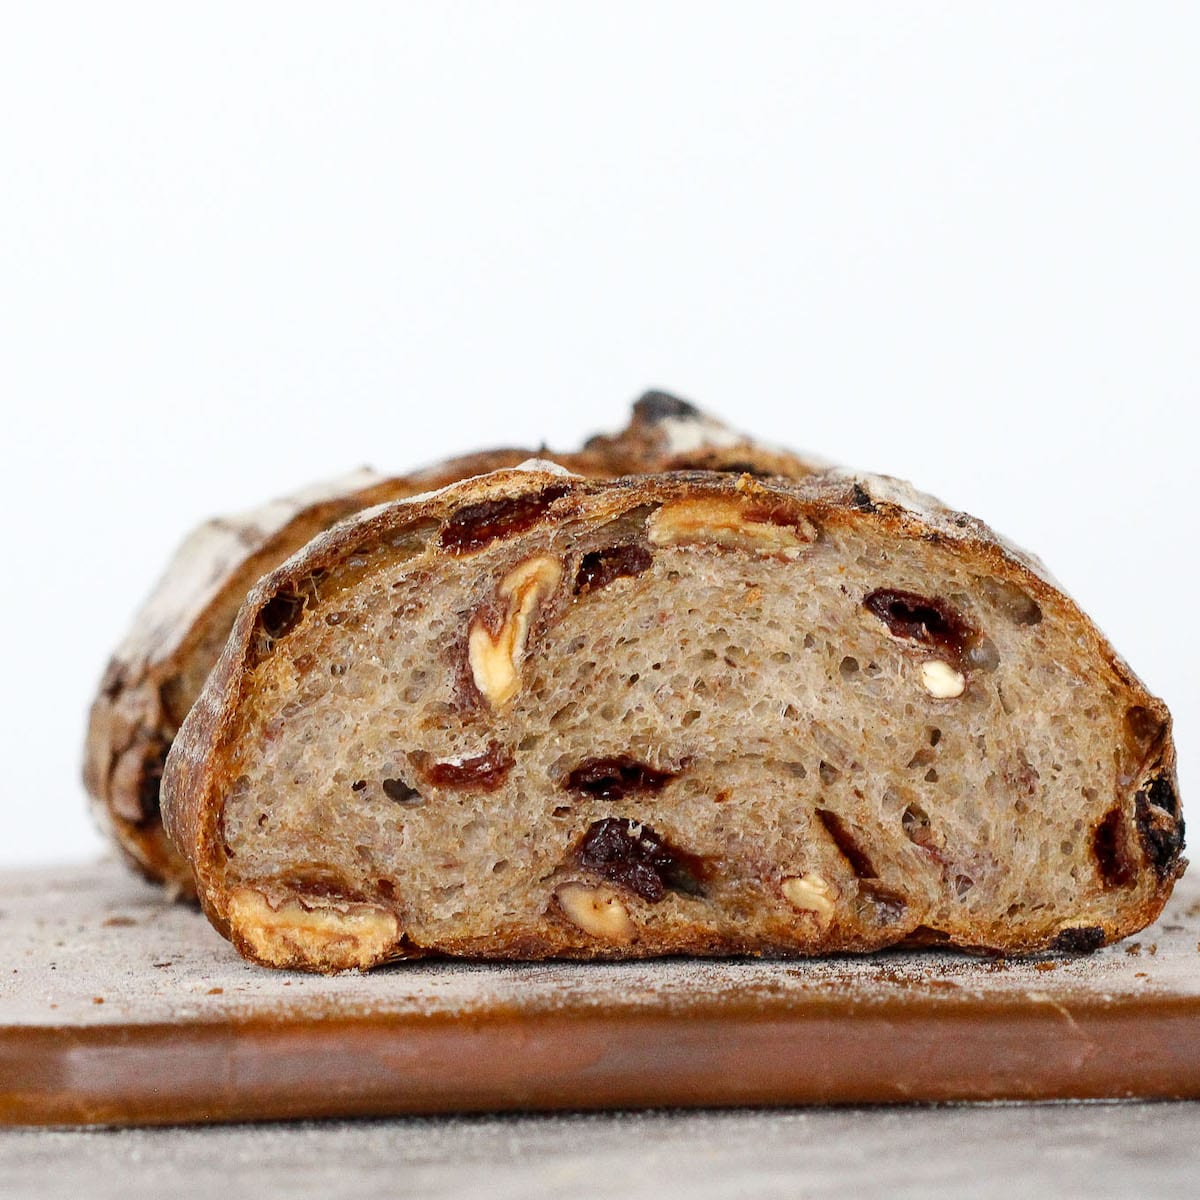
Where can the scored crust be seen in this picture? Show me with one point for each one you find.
(159, 668)
(533, 715)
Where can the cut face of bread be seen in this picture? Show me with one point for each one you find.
(158, 670)
(535, 715)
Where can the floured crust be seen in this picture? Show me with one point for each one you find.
(685, 509)
(159, 667)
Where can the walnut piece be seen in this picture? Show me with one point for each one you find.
(595, 910)
(348, 933)
(941, 680)
(811, 893)
(495, 657)
(728, 521)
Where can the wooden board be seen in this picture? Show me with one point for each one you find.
(117, 1007)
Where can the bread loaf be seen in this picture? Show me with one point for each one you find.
(158, 670)
(534, 714)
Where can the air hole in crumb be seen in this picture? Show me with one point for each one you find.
(281, 614)
(828, 773)
(914, 821)
(844, 840)
(358, 785)
(848, 667)
(963, 884)
(1143, 725)
(931, 776)
(935, 735)
(888, 905)
(401, 793)
(1110, 846)
(337, 669)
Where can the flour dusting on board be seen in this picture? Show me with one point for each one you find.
(92, 945)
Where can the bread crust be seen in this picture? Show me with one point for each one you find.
(198, 775)
(154, 674)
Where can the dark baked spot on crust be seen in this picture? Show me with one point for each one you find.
(1160, 825)
(1082, 940)
(861, 499)
(928, 620)
(850, 850)
(1110, 846)
(634, 856)
(281, 614)
(616, 777)
(660, 406)
(484, 772)
(475, 525)
(401, 793)
(600, 567)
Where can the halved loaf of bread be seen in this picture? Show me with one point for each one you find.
(538, 715)
(157, 671)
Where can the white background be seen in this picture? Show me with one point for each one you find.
(246, 247)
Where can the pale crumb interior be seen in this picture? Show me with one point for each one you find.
(764, 684)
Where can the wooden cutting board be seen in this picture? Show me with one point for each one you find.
(117, 1007)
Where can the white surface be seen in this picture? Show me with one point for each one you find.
(244, 247)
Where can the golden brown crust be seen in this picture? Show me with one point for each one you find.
(150, 684)
(198, 772)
